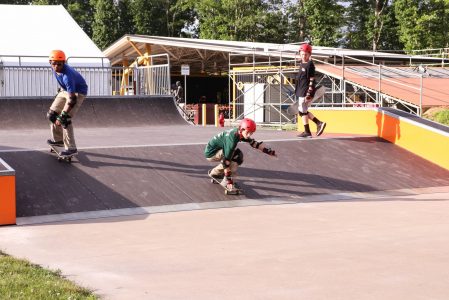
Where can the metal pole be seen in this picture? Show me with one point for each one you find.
(185, 91)
(379, 100)
(420, 96)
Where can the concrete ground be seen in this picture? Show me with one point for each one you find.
(379, 245)
(135, 216)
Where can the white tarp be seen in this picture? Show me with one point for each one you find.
(253, 101)
(28, 34)
(32, 31)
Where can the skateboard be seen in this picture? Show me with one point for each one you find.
(57, 150)
(293, 108)
(228, 191)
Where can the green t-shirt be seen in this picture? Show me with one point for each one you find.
(226, 140)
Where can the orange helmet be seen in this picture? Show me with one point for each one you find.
(305, 48)
(57, 55)
(248, 124)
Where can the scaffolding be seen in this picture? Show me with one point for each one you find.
(261, 84)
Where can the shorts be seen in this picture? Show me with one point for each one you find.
(303, 105)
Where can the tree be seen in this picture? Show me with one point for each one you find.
(377, 20)
(125, 23)
(357, 16)
(323, 22)
(149, 17)
(423, 23)
(104, 27)
(297, 20)
(389, 37)
(83, 13)
(275, 26)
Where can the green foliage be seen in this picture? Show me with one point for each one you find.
(358, 16)
(423, 23)
(125, 23)
(149, 17)
(442, 117)
(356, 24)
(104, 27)
(83, 13)
(324, 21)
(20, 279)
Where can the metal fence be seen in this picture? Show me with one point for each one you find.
(29, 81)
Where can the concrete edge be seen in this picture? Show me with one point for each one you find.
(382, 195)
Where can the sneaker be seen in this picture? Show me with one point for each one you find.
(305, 135)
(224, 182)
(55, 143)
(69, 152)
(320, 128)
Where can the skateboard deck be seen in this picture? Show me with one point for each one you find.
(57, 150)
(293, 108)
(228, 191)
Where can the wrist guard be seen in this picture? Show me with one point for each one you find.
(269, 151)
(255, 144)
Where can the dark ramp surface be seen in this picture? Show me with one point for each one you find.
(118, 111)
(112, 178)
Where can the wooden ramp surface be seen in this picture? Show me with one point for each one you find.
(116, 178)
(161, 162)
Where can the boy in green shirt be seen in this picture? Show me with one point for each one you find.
(223, 147)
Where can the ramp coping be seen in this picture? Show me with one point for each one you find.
(8, 170)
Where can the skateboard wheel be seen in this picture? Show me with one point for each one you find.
(226, 192)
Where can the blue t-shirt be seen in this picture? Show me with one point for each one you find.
(71, 81)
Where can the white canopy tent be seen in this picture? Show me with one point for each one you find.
(32, 31)
(29, 33)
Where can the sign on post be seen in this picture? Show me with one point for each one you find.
(185, 70)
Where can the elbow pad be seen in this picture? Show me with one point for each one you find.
(255, 144)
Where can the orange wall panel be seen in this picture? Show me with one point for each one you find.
(7, 200)
(422, 140)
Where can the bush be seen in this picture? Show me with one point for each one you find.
(442, 117)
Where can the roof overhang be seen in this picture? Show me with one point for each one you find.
(213, 56)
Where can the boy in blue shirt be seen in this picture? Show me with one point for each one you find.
(71, 95)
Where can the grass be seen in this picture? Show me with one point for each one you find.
(442, 117)
(438, 114)
(19, 279)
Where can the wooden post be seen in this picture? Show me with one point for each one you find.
(203, 115)
(216, 115)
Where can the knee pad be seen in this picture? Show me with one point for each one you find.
(303, 113)
(225, 163)
(237, 156)
(52, 116)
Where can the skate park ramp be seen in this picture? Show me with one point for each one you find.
(138, 157)
(117, 111)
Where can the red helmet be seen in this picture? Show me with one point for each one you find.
(57, 55)
(248, 124)
(305, 48)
